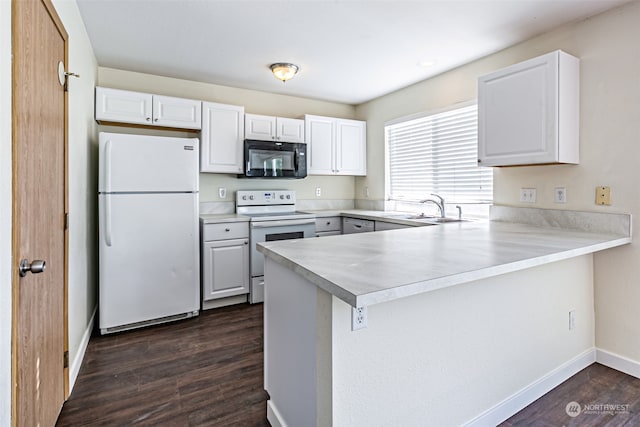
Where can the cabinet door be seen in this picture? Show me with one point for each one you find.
(289, 130)
(262, 128)
(123, 106)
(351, 147)
(177, 112)
(319, 135)
(221, 149)
(225, 268)
(518, 113)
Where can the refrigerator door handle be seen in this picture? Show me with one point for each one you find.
(107, 166)
(107, 219)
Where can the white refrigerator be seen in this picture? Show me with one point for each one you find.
(148, 230)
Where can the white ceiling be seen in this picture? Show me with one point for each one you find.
(348, 51)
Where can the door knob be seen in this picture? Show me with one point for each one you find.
(37, 266)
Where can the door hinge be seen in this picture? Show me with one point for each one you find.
(66, 220)
(65, 359)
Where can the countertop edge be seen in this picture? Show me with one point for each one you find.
(430, 285)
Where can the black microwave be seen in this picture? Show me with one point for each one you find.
(270, 159)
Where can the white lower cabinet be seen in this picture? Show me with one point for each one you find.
(225, 260)
(357, 225)
(384, 225)
(328, 226)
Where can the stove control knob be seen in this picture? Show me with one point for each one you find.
(244, 197)
(250, 197)
(282, 196)
(288, 196)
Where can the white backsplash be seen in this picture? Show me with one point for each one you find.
(592, 222)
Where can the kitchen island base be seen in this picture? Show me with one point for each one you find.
(470, 354)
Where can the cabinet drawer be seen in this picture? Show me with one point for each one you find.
(333, 223)
(224, 231)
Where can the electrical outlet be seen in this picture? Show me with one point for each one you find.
(366, 192)
(222, 192)
(318, 191)
(572, 320)
(560, 195)
(528, 195)
(358, 318)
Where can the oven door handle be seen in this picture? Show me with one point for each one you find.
(282, 223)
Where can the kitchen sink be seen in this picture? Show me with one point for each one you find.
(441, 220)
(425, 218)
(408, 216)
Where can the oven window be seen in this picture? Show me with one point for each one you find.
(284, 236)
(272, 163)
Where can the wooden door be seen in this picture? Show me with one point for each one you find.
(39, 199)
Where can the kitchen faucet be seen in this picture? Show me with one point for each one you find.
(439, 204)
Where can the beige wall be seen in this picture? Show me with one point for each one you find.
(254, 102)
(83, 171)
(609, 148)
(5, 213)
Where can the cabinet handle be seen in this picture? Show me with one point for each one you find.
(148, 119)
(155, 120)
(328, 222)
(227, 229)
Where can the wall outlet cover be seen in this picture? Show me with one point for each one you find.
(603, 196)
(528, 195)
(560, 195)
(358, 318)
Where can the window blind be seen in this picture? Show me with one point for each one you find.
(437, 153)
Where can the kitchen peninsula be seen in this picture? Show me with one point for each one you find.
(466, 322)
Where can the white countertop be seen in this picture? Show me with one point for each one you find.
(370, 268)
(221, 218)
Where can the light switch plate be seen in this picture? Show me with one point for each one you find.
(603, 196)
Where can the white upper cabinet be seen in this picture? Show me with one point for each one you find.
(124, 106)
(177, 112)
(351, 146)
(528, 113)
(335, 146)
(222, 145)
(289, 130)
(269, 128)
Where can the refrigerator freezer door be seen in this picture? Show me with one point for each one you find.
(149, 262)
(141, 163)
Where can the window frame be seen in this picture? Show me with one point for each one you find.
(391, 203)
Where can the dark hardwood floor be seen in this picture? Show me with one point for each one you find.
(208, 371)
(202, 371)
(592, 388)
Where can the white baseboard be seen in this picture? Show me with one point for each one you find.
(74, 368)
(619, 363)
(511, 405)
(273, 416)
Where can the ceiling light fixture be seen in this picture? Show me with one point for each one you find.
(284, 70)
